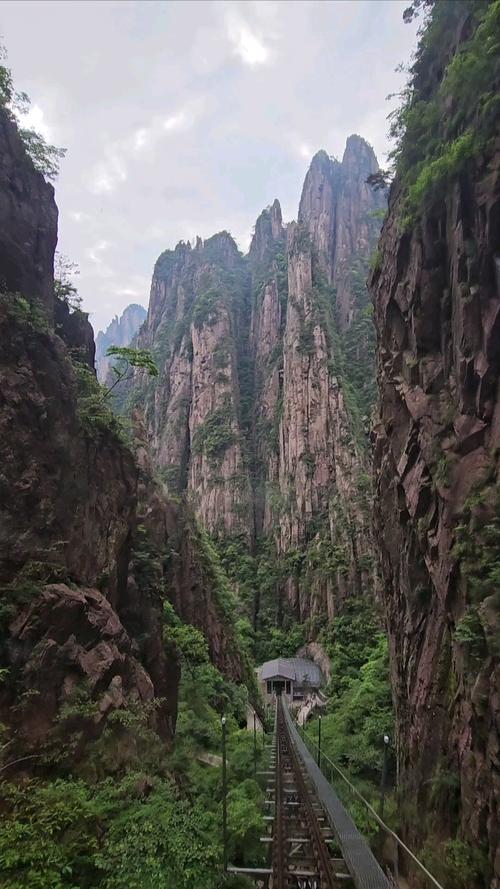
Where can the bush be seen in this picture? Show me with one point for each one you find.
(215, 434)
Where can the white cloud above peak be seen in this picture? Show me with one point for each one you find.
(247, 45)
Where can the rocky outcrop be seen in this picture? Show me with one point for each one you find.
(73, 326)
(28, 221)
(255, 414)
(437, 301)
(85, 530)
(267, 258)
(194, 321)
(342, 214)
(120, 332)
(319, 459)
(65, 639)
(185, 569)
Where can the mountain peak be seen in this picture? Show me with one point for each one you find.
(268, 230)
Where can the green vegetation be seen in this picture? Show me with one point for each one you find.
(215, 434)
(359, 710)
(129, 358)
(96, 417)
(139, 828)
(457, 864)
(109, 805)
(469, 633)
(45, 157)
(26, 312)
(477, 544)
(205, 310)
(438, 131)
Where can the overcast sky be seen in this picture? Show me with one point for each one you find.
(183, 118)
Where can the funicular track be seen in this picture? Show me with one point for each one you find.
(315, 844)
(300, 852)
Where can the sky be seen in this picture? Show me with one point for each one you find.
(182, 118)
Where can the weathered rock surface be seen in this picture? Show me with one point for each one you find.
(74, 328)
(194, 412)
(249, 413)
(341, 212)
(67, 637)
(437, 301)
(28, 221)
(77, 614)
(120, 332)
(65, 499)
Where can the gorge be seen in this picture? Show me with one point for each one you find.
(313, 462)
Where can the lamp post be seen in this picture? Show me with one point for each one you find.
(384, 775)
(224, 794)
(254, 745)
(319, 740)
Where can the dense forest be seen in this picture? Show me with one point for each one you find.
(294, 453)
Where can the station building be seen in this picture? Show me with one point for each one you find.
(294, 677)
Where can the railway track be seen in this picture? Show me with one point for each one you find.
(313, 840)
(305, 854)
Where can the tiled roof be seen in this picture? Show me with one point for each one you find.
(298, 669)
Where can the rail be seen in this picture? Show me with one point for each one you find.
(306, 739)
(360, 861)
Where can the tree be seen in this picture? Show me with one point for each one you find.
(128, 359)
(64, 289)
(414, 9)
(45, 157)
(380, 180)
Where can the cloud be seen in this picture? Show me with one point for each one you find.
(108, 174)
(34, 119)
(93, 253)
(175, 121)
(186, 118)
(247, 45)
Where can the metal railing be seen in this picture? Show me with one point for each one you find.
(319, 753)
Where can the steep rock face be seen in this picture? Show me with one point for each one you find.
(319, 460)
(66, 637)
(253, 414)
(188, 574)
(267, 258)
(78, 519)
(339, 209)
(68, 509)
(193, 327)
(73, 497)
(28, 221)
(317, 208)
(437, 298)
(120, 332)
(75, 329)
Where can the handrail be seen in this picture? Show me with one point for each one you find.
(309, 740)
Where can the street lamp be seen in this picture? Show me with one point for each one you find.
(224, 793)
(319, 740)
(384, 775)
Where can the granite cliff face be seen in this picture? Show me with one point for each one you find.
(28, 221)
(120, 332)
(437, 298)
(257, 413)
(194, 412)
(87, 556)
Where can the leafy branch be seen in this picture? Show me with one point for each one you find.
(129, 358)
(45, 157)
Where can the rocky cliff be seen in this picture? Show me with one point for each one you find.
(260, 412)
(120, 332)
(28, 221)
(91, 547)
(437, 296)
